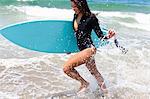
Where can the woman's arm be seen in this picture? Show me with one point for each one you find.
(96, 27)
(97, 30)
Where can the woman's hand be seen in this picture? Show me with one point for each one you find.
(111, 33)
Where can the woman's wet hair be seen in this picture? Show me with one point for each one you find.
(82, 6)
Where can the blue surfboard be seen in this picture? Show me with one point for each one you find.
(51, 36)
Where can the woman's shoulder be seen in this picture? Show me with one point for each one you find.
(90, 15)
(93, 16)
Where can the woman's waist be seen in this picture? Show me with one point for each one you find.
(85, 40)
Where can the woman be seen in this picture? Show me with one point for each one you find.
(83, 23)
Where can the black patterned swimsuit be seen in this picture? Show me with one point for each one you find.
(83, 33)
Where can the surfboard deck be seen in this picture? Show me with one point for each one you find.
(50, 36)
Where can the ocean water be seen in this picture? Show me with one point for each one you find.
(26, 74)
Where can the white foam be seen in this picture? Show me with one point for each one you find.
(143, 20)
(137, 26)
(47, 13)
(114, 14)
(7, 95)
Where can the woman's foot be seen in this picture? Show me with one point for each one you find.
(83, 87)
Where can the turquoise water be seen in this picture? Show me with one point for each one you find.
(105, 5)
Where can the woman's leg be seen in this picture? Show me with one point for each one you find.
(76, 60)
(94, 71)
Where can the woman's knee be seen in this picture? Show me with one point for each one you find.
(67, 68)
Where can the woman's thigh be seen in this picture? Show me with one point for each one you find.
(80, 57)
